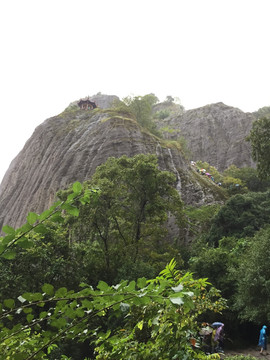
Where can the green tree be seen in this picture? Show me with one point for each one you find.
(36, 324)
(248, 176)
(141, 108)
(259, 138)
(263, 112)
(253, 284)
(218, 263)
(125, 225)
(50, 259)
(243, 215)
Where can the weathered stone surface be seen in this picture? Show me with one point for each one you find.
(102, 101)
(69, 147)
(215, 133)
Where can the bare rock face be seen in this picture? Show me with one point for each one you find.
(216, 134)
(102, 101)
(68, 148)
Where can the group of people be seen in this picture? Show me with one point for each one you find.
(213, 337)
(203, 172)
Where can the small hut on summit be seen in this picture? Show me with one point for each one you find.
(87, 104)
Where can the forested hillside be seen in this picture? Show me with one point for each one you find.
(134, 257)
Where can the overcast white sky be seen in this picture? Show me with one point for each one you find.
(54, 52)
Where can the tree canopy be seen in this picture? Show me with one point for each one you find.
(140, 107)
(242, 215)
(155, 317)
(125, 225)
(259, 139)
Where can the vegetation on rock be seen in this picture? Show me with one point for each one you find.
(259, 138)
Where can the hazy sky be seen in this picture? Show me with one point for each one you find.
(54, 52)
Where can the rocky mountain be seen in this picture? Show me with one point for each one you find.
(68, 147)
(214, 133)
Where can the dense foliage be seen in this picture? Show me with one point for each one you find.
(259, 138)
(99, 232)
(152, 318)
(241, 216)
(84, 279)
(124, 228)
(140, 108)
(234, 256)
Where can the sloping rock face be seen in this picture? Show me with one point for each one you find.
(216, 134)
(68, 148)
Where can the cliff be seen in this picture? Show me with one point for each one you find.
(215, 133)
(69, 147)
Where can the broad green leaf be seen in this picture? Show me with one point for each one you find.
(61, 292)
(37, 296)
(40, 229)
(48, 289)
(70, 198)
(27, 310)
(32, 218)
(41, 304)
(72, 210)
(45, 214)
(103, 286)
(8, 230)
(7, 239)
(59, 323)
(177, 300)
(77, 187)
(27, 296)
(131, 286)
(43, 314)
(57, 217)
(9, 254)
(9, 303)
(141, 283)
(29, 317)
(25, 243)
(24, 228)
(84, 285)
(85, 200)
(2, 248)
(139, 301)
(80, 312)
(87, 304)
(70, 313)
